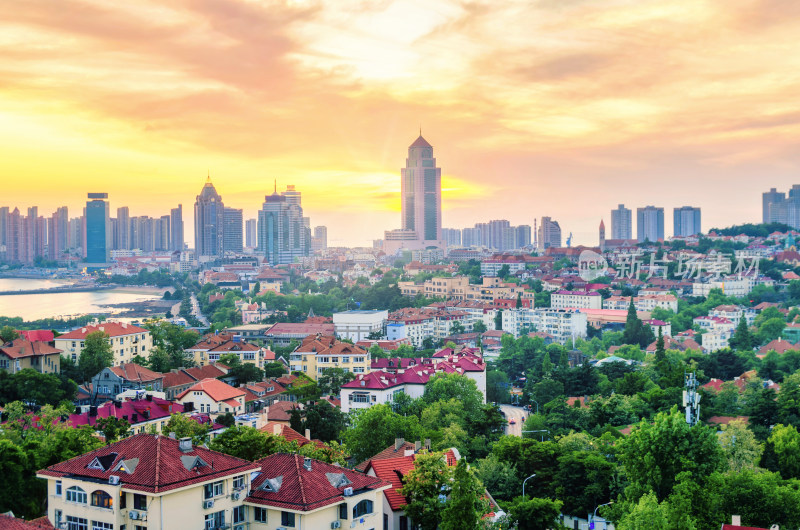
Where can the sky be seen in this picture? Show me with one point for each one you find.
(560, 108)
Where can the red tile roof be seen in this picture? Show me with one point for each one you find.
(21, 347)
(296, 329)
(144, 410)
(279, 411)
(41, 335)
(8, 522)
(112, 329)
(779, 345)
(304, 490)
(160, 465)
(279, 429)
(737, 527)
(216, 390)
(392, 470)
(134, 372)
(389, 452)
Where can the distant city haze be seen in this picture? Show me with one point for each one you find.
(557, 109)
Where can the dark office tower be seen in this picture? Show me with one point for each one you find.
(176, 228)
(686, 221)
(58, 233)
(233, 229)
(209, 215)
(282, 234)
(251, 233)
(98, 229)
(123, 239)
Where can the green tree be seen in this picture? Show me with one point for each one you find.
(463, 509)
(248, 443)
(740, 447)
(159, 360)
(584, 480)
(479, 327)
(96, 355)
(655, 453)
(498, 319)
(274, 369)
(374, 429)
(456, 328)
(426, 487)
(246, 373)
(497, 387)
(15, 470)
(742, 339)
(113, 428)
(443, 387)
(647, 514)
(230, 360)
(331, 380)
(636, 331)
(789, 400)
(7, 334)
(535, 513)
(184, 426)
(227, 419)
(782, 452)
(325, 421)
(771, 329)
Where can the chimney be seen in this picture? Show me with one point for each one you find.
(308, 433)
(417, 446)
(185, 444)
(172, 436)
(398, 443)
(736, 520)
(307, 463)
(276, 429)
(428, 444)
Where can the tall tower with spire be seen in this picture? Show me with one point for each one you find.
(602, 236)
(421, 190)
(209, 222)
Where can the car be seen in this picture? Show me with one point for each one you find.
(512, 421)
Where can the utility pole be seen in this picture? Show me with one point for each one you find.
(691, 399)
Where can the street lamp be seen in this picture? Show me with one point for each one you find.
(537, 406)
(523, 485)
(591, 524)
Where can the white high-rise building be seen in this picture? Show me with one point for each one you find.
(686, 221)
(621, 223)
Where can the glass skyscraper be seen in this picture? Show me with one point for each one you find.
(209, 215)
(283, 236)
(421, 190)
(98, 228)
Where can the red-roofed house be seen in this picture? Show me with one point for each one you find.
(126, 340)
(114, 380)
(37, 335)
(213, 396)
(9, 522)
(148, 481)
(779, 346)
(140, 413)
(296, 492)
(282, 334)
(21, 353)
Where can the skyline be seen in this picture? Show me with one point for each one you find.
(669, 103)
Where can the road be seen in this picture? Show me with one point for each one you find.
(517, 413)
(197, 313)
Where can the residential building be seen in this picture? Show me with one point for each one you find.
(561, 324)
(621, 223)
(126, 340)
(232, 231)
(319, 352)
(515, 263)
(452, 237)
(212, 396)
(151, 482)
(114, 380)
(357, 325)
(283, 237)
(730, 285)
(650, 224)
(22, 353)
(576, 299)
(177, 381)
(176, 229)
(686, 221)
(549, 234)
(251, 233)
(143, 414)
(283, 333)
(320, 239)
(209, 221)
(296, 492)
(98, 229)
(773, 207)
(643, 303)
(58, 234)
(734, 313)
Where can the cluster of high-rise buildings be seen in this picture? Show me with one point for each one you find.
(280, 233)
(780, 207)
(93, 236)
(650, 223)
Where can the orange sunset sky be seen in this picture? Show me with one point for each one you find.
(538, 107)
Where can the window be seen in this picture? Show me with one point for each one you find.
(362, 508)
(213, 490)
(139, 502)
(123, 500)
(58, 488)
(215, 520)
(287, 519)
(238, 482)
(58, 518)
(76, 523)
(260, 515)
(102, 499)
(75, 494)
(238, 514)
(343, 511)
(97, 525)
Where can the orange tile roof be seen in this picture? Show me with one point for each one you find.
(216, 390)
(112, 329)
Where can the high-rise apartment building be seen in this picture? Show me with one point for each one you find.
(452, 237)
(772, 203)
(98, 228)
(471, 237)
(209, 215)
(58, 233)
(686, 221)
(650, 224)
(523, 236)
(282, 234)
(163, 233)
(123, 232)
(320, 239)
(251, 233)
(233, 224)
(421, 193)
(176, 228)
(549, 233)
(621, 223)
